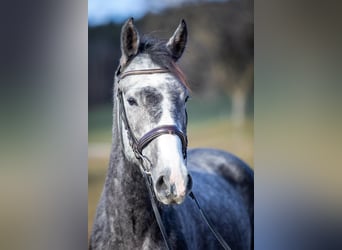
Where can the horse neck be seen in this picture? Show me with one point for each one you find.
(127, 200)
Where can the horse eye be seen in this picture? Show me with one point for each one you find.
(132, 101)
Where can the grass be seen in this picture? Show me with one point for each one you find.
(209, 126)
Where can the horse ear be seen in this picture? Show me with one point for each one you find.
(129, 41)
(177, 42)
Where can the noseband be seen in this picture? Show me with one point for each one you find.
(138, 145)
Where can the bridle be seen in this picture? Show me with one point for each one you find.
(138, 145)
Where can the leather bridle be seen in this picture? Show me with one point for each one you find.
(138, 146)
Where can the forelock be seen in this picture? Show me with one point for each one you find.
(157, 50)
(159, 54)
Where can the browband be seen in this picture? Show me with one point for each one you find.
(141, 72)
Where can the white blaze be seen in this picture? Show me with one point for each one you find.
(171, 152)
(171, 156)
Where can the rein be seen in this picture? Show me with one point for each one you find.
(138, 146)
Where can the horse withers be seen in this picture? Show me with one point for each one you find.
(151, 169)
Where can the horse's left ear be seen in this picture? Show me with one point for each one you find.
(177, 42)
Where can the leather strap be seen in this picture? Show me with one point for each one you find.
(142, 72)
(161, 130)
(155, 209)
(216, 234)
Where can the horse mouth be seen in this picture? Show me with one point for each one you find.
(171, 200)
(171, 196)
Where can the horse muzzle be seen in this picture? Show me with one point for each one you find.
(172, 192)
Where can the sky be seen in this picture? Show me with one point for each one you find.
(104, 11)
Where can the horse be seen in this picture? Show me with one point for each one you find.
(149, 139)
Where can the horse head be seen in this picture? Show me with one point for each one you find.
(153, 94)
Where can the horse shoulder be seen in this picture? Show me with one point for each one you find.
(230, 167)
(225, 164)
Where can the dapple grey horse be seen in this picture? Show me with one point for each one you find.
(150, 92)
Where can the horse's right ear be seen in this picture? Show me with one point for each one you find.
(129, 41)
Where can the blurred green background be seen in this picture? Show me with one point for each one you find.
(218, 63)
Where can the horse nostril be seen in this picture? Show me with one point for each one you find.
(189, 184)
(162, 184)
